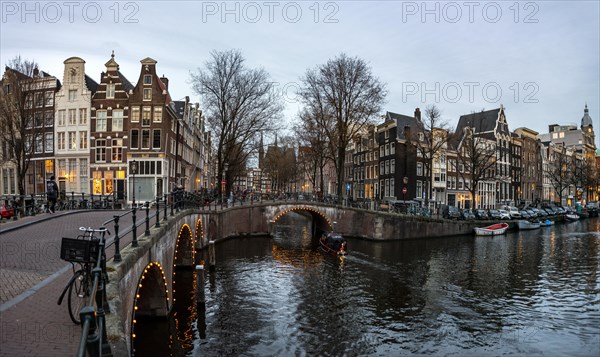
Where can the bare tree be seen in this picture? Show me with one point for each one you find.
(430, 139)
(558, 169)
(240, 103)
(314, 150)
(343, 95)
(476, 158)
(19, 131)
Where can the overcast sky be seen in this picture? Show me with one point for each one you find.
(540, 59)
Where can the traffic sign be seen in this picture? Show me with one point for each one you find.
(404, 190)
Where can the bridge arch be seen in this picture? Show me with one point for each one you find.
(320, 219)
(199, 234)
(151, 297)
(184, 247)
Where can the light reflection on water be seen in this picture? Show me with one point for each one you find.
(526, 293)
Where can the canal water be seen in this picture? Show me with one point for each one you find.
(525, 293)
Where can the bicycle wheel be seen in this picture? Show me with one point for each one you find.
(79, 295)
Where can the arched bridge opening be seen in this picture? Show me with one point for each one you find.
(151, 300)
(320, 222)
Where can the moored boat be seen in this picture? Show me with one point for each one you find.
(571, 217)
(546, 223)
(494, 229)
(333, 244)
(525, 224)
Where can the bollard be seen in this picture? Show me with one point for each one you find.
(165, 212)
(172, 199)
(147, 231)
(134, 242)
(211, 256)
(117, 257)
(157, 212)
(200, 299)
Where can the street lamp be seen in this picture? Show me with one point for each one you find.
(134, 168)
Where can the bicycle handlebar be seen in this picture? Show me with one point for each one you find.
(98, 230)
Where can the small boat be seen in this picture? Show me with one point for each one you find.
(333, 244)
(571, 217)
(493, 230)
(546, 223)
(524, 224)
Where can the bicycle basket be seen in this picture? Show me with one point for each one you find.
(79, 250)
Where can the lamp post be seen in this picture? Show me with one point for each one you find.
(134, 168)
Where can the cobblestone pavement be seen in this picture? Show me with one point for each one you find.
(32, 277)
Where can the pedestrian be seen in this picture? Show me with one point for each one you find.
(51, 193)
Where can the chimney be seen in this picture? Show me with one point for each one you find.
(165, 80)
(418, 114)
(36, 72)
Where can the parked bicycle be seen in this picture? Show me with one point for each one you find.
(82, 252)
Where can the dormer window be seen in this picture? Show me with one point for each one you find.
(147, 79)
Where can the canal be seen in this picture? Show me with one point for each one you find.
(525, 293)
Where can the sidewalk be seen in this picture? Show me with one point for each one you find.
(32, 277)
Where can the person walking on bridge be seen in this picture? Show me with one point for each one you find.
(51, 193)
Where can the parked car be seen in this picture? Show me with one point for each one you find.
(504, 214)
(531, 213)
(514, 212)
(481, 214)
(494, 214)
(467, 214)
(524, 214)
(6, 212)
(451, 212)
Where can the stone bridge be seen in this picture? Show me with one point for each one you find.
(141, 285)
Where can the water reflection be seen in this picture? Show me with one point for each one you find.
(525, 293)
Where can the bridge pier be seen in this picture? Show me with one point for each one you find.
(200, 298)
(211, 256)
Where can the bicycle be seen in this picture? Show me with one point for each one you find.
(82, 253)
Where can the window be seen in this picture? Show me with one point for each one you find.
(147, 94)
(72, 95)
(72, 140)
(39, 100)
(49, 99)
(39, 143)
(392, 166)
(61, 140)
(82, 116)
(49, 142)
(117, 120)
(117, 150)
(39, 119)
(83, 175)
(381, 168)
(419, 188)
(146, 139)
(156, 139)
(62, 116)
(134, 142)
(72, 117)
(100, 150)
(29, 101)
(110, 90)
(135, 114)
(48, 119)
(83, 144)
(157, 115)
(147, 79)
(146, 116)
(101, 120)
(62, 168)
(419, 169)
